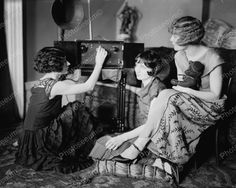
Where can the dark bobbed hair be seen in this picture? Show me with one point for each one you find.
(49, 59)
(190, 30)
(152, 60)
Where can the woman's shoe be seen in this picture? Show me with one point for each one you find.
(121, 159)
(171, 169)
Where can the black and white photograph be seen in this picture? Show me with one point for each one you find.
(118, 93)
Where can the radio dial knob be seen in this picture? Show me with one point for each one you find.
(114, 49)
(83, 49)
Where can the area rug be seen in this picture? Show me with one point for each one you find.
(11, 175)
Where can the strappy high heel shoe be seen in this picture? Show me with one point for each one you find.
(172, 169)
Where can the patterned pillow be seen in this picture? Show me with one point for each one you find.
(138, 171)
(104, 164)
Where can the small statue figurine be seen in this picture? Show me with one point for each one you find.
(192, 79)
(128, 18)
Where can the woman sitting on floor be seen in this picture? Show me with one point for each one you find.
(151, 68)
(56, 138)
(178, 116)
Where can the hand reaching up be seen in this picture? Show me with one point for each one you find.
(100, 56)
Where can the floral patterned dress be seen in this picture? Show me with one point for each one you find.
(187, 116)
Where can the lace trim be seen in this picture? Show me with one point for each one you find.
(47, 83)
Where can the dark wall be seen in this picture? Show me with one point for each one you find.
(224, 10)
(155, 16)
(41, 31)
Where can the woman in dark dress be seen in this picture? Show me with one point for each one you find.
(151, 68)
(54, 137)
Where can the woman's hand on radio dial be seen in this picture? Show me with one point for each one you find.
(100, 56)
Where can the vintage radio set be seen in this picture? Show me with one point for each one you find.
(121, 55)
(81, 53)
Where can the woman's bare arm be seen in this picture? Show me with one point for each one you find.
(116, 141)
(65, 87)
(216, 81)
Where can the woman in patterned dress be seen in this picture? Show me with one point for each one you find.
(178, 116)
(54, 137)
